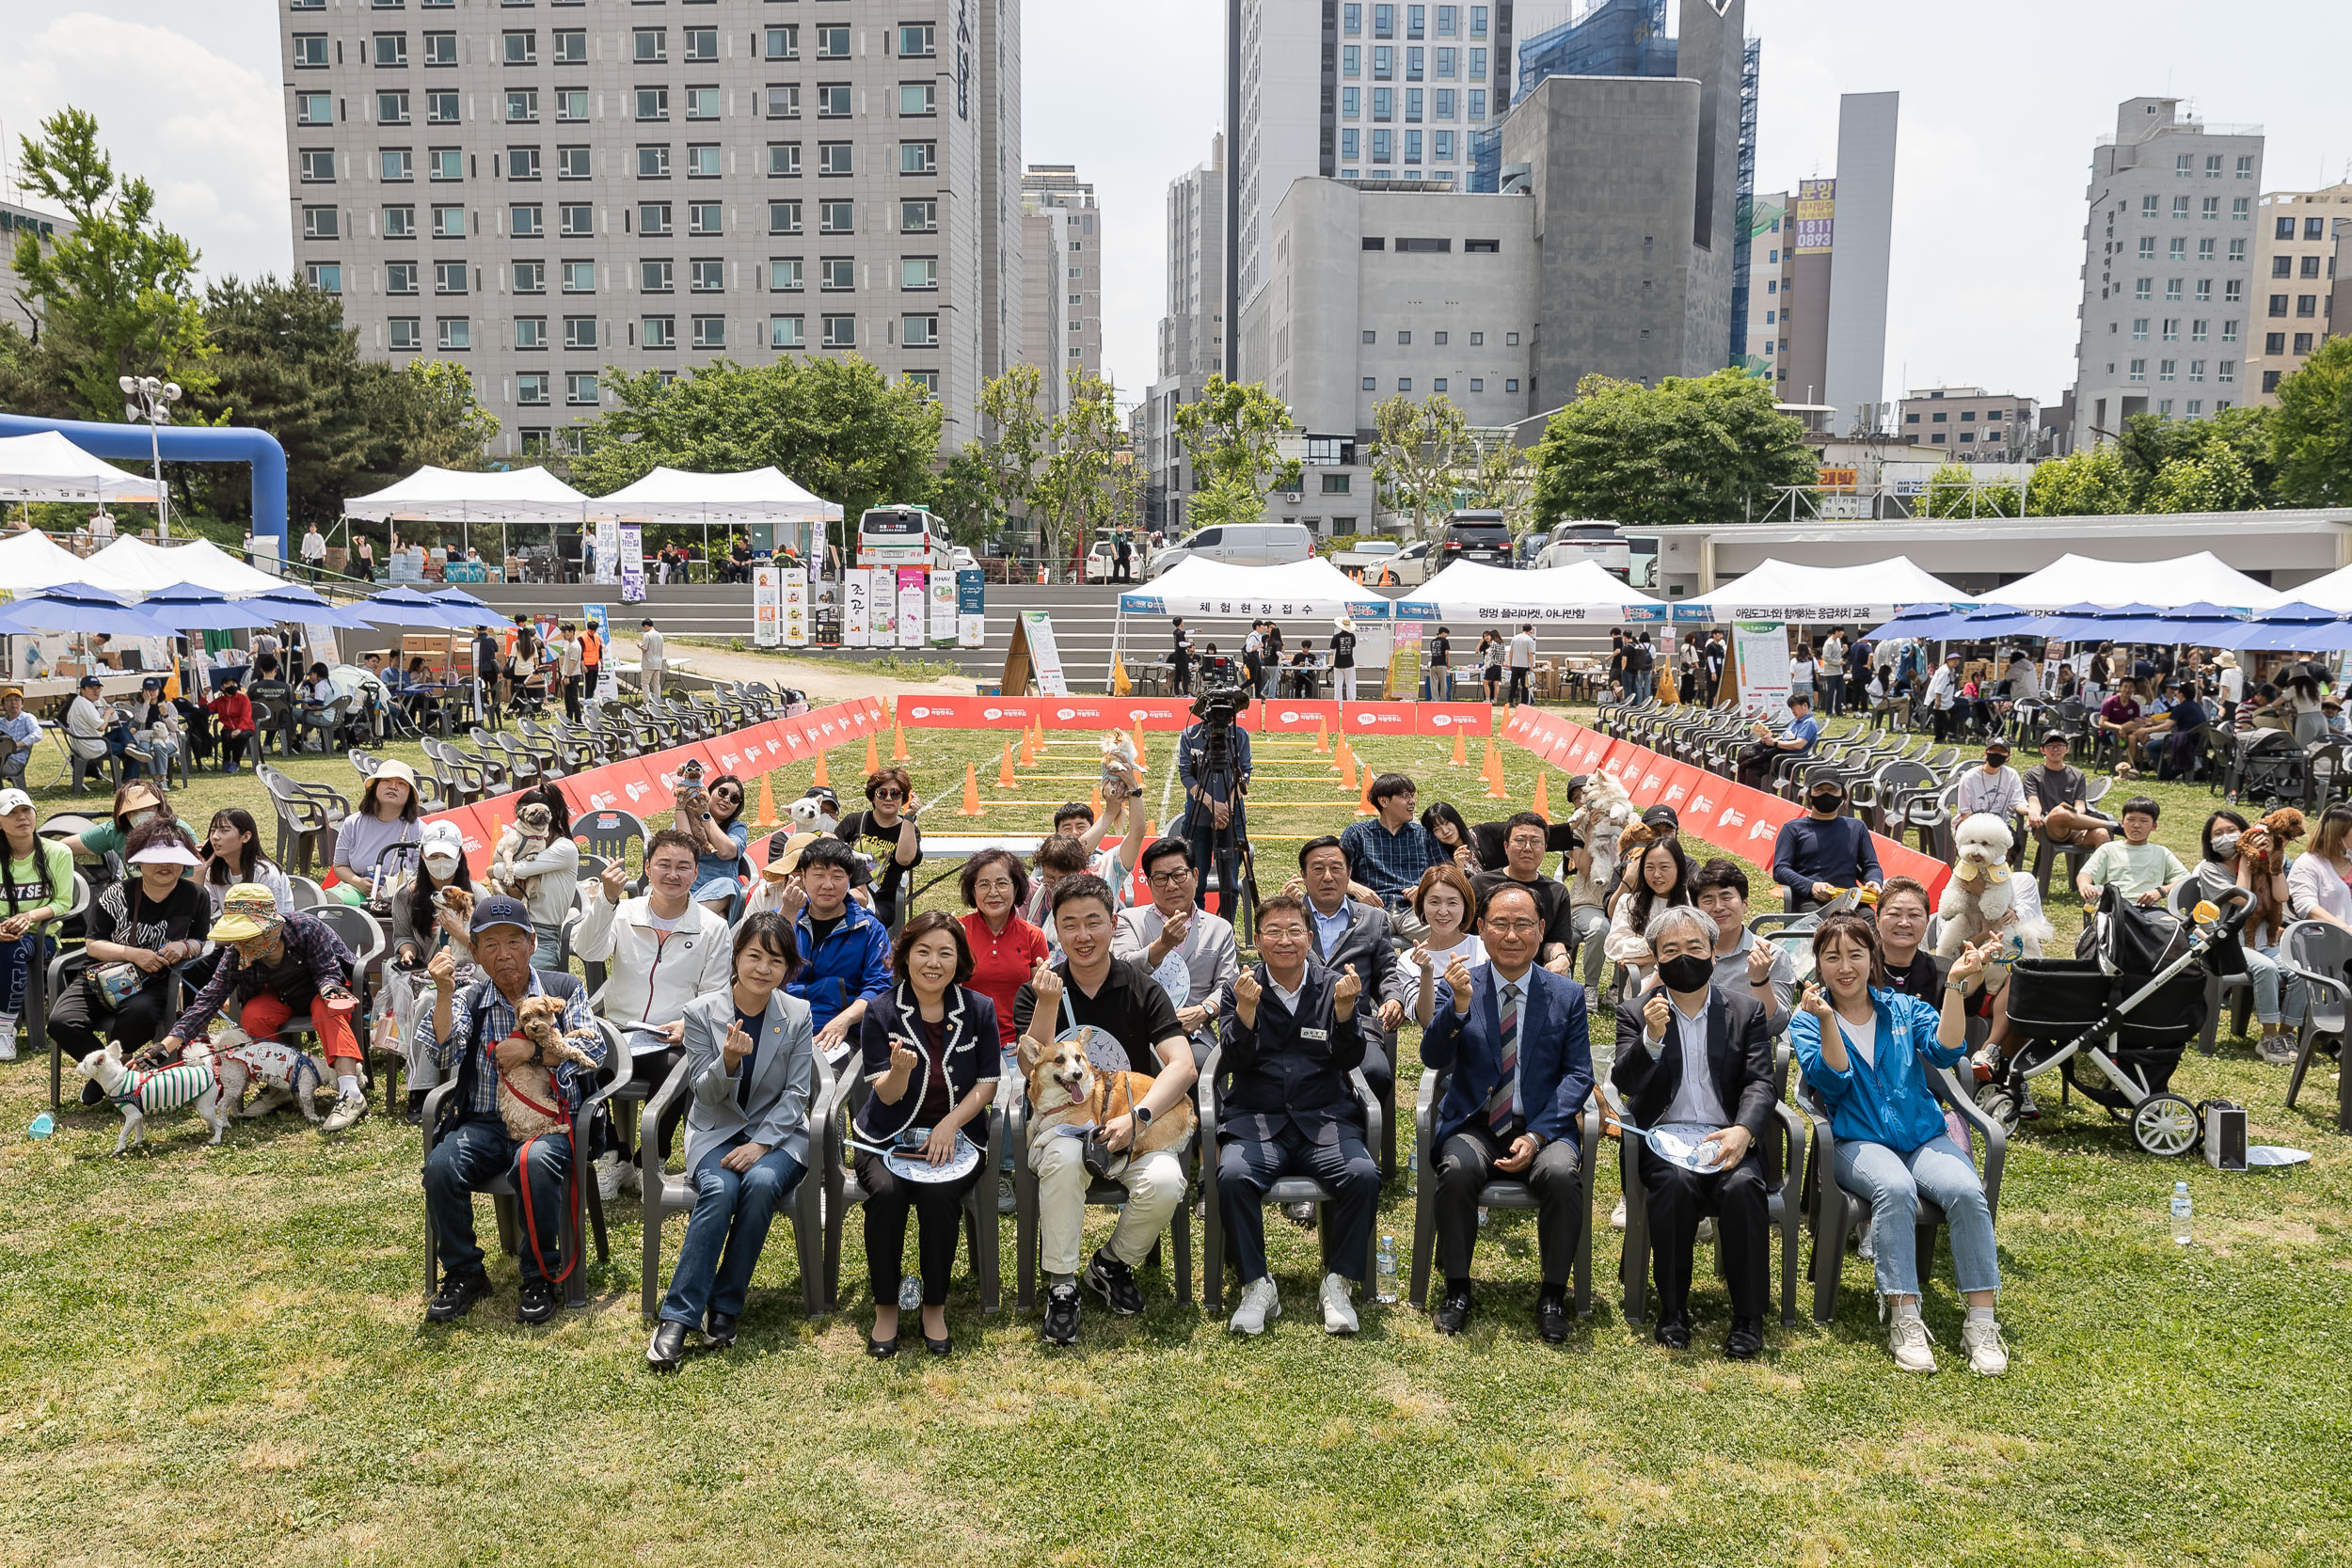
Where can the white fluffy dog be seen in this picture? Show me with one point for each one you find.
(1979, 901)
(1600, 820)
(140, 1095)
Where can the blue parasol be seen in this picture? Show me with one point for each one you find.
(77, 607)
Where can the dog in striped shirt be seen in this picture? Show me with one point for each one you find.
(140, 1095)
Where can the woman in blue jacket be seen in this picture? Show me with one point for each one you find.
(1865, 1050)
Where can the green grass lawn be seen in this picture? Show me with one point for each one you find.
(220, 1357)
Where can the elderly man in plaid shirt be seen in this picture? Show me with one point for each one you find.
(471, 1147)
(1389, 852)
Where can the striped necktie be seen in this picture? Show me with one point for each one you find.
(1507, 1038)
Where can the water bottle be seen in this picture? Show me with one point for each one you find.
(2180, 1211)
(910, 1293)
(1386, 1293)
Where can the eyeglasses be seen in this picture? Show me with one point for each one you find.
(1170, 879)
(1514, 927)
(889, 795)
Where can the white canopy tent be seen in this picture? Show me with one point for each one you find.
(132, 565)
(1581, 591)
(2331, 592)
(453, 495)
(1213, 590)
(45, 466)
(32, 560)
(752, 496)
(1782, 590)
(2200, 579)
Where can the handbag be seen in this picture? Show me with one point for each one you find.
(114, 984)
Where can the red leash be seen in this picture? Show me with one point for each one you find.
(522, 1157)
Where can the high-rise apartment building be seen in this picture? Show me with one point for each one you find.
(541, 191)
(2294, 283)
(1854, 351)
(1062, 301)
(2167, 266)
(1192, 333)
(1768, 222)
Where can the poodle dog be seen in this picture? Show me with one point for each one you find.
(522, 839)
(2280, 830)
(527, 1098)
(1979, 901)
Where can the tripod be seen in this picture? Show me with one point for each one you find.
(1228, 847)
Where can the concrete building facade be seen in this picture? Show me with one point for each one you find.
(16, 223)
(541, 192)
(2294, 283)
(1192, 332)
(1062, 295)
(2167, 263)
(1767, 237)
(1854, 349)
(1968, 425)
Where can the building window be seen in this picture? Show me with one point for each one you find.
(650, 45)
(2225, 370)
(702, 161)
(2229, 331)
(2209, 209)
(391, 51)
(706, 275)
(2197, 370)
(322, 222)
(836, 273)
(2138, 370)
(440, 108)
(784, 274)
(1441, 148)
(522, 163)
(405, 336)
(784, 159)
(919, 331)
(449, 277)
(569, 46)
(2196, 329)
(1478, 384)
(1404, 383)
(918, 100)
(653, 104)
(531, 332)
(318, 108)
(2241, 208)
(309, 52)
(317, 164)
(918, 271)
(449, 223)
(653, 218)
(919, 217)
(440, 48)
(784, 217)
(702, 103)
(833, 159)
(656, 278)
(456, 334)
(918, 157)
(656, 331)
(531, 278)
(1437, 385)
(2171, 330)
(2302, 342)
(579, 331)
(577, 220)
(710, 332)
(326, 277)
(580, 389)
(840, 331)
(788, 332)
(391, 108)
(519, 47)
(445, 164)
(532, 386)
(2278, 305)
(2307, 305)
(1511, 384)
(1370, 385)
(400, 223)
(701, 44)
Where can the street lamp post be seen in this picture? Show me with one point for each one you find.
(152, 401)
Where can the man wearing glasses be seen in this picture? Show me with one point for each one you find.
(1177, 942)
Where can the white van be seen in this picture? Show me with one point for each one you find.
(902, 536)
(1238, 545)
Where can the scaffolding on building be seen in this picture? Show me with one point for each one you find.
(1743, 214)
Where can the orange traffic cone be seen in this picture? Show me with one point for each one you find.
(767, 817)
(1028, 748)
(1461, 757)
(820, 778)
(1323, 741)
(873, 762)
(898, 743)
(1137, 734)
(1347, 768)
(1003, 769)
(1094, 800)
(1493, 769)
(1363, 801)
(971, 807)
(1541, 805)
(1150, 830)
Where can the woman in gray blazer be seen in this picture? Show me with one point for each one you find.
(750, 1059)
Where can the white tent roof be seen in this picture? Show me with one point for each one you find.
(32, 560)
(2332, 591)
(1195, 586)
(764, 495)
(1581, 591)
(130, 565)
(1782, 590)
(45, 466)
(2200, 579)
(452, 495)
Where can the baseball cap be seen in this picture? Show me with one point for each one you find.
(788, 860)
(2057, 737)
(152, 683)
(500, 910)
(91, 680)
(1996, 747)
(1662, 817)
(13, 800)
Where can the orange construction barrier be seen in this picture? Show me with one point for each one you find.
(1541, 805)
(873, 762)
(767, 817)
(1003, 769)
(898, 743)
(820, 778)
(971, 807)
(1461, 757)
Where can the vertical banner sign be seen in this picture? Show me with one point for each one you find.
(1405, 662)
(856, 585)
(914, 585)
(1817, 217)
(608, 672)
(971, 606)
(766, 630)
(632, 559)
(1044, 657)
(1762, 649)
(944, 606)
(608, 549)
(882, 606)
(793, 587)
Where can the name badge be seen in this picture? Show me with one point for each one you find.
(1314, 1034)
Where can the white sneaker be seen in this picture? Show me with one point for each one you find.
(632, 1180)
(1914, 1347)
(2276, 1049)
(1338, 1312)
(270, 1100)
(1987, 1355)
(608, 1176)
(1707, 1229)
(1616, 1215)
(349, 1107)
(1867, 1248)
(1261, 1303)
(7, 1040)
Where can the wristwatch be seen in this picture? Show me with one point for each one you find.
(1143, 1116)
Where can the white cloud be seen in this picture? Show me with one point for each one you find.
(215, 153)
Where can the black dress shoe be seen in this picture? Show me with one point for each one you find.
(1674, 1331)
(457, 1297)
(1453, 1314)
(1746, 1339)
(881, 1350)
(943, 1346)
(719, 1329)
(1551, 1317)
(668, 1350)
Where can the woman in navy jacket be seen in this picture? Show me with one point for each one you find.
(1866, 1050)
(930, 1063)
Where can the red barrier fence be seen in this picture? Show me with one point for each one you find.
(1273, 715)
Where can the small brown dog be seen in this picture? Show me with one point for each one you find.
(457, 901)
(526, 1098)
(2280, 831)
(1066, 1090)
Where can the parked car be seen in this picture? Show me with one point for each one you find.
(1367, 559)
(1572, 542)
(1479, 536)
(1238, 545)
(1102, 562)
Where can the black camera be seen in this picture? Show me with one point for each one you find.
(1219, 705)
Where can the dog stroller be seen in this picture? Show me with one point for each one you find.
(2114, 1023)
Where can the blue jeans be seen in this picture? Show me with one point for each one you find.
(2270, 977)
(1893, 1183)
(475, 1153)
(726, 1233)
(549, 952)
(16, 961)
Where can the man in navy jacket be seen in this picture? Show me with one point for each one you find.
(1291, 1045)
(845, 952)
(1818, 856)
(1514, 1036)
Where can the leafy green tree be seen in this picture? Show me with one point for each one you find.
(1416, 450)
(1233, 434)
(833, 423)
(1226, 499)
(423, 413)
(30, 381)
(117, 294)
(2311, 433)
(1953, 491)
(965, 496)
(2216, 482)
(2092, 484)
(1081, 486)
(2151, 441)
(287, 364)
(1014, 446)
(1692, 450)
(1504, 481)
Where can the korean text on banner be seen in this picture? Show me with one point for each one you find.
(912, 583)
(793, 587)
(1762, 650)
(942, 595)
(607, 550)
(1044, 655)
(971, 606)
(767, 628)
(857, 585)
(882, 613)
(633, 547)
(1446, 718)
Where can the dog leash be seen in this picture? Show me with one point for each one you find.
(522, 1161)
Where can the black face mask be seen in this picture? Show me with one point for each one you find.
(1827, 799)
(1686, 974)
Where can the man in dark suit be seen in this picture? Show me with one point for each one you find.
(1346, 933)
(1290, 1041)
(1705, 1058)
(1514, 1036)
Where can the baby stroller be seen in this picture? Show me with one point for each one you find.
(2126, 1011)
(2271, 770)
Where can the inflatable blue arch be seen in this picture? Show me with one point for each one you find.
(129, 443)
